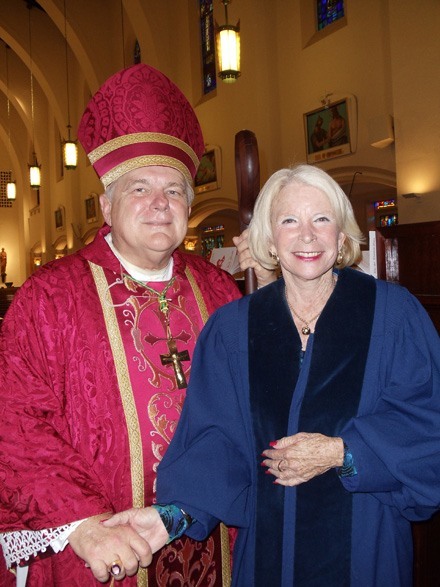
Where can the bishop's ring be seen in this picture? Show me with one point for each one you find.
(116, 568)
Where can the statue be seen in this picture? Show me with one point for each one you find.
(3, 261)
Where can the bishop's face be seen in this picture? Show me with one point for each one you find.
(148, 214)
(305, 232)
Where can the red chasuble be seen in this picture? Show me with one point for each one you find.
(92, 401)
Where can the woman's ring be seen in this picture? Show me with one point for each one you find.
(116, 568)
(279, 466)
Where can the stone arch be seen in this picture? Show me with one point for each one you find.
(363, 189)
(36, 256)
(202, 210)
(373, 175)
(89, 235)
(60, 246)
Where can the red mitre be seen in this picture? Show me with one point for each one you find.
(140, 118)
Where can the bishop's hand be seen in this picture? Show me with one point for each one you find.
(104, 549)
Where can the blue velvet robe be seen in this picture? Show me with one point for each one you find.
(370, 374)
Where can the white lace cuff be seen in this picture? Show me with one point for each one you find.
(21, 545)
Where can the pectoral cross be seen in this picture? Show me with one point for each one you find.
(175, 358)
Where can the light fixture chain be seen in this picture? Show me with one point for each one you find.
(70, 149)
(226, 2)
(11, 191)
(34, 168)
(67, 69)
(7, 95)
(32, 81)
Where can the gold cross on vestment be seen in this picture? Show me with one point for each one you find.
(175, 358)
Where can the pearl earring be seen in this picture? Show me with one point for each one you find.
(340, 257)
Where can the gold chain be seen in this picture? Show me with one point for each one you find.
(305, 329)
(161, 296)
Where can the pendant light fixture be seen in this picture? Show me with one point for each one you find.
(35, 173)
(70, 147)
(11, 190)
(228, 49)
(11, 187)
(34, 167)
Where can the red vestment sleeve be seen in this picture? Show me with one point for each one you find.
(47, 478)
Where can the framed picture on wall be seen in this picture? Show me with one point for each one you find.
(208, 175)
(329, 130)
(59, 218)
(91, 208)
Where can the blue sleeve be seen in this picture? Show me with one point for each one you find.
(395, 439)
(207, 468)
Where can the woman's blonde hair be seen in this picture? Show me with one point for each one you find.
(260, 229)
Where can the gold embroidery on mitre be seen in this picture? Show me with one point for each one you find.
(141, 137)
(144, 161)
(122, 373)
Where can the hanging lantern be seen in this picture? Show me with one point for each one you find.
(228, 49)
(70, 152)
(35, 174)
(11, 190)
(70, 148)
(34, 168)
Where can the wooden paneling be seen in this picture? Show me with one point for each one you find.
(409, 254)
(6, 297)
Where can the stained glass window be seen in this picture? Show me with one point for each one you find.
(329, 11)
(212, 238)
(384, 204)
(208, 45)
(388, 220)
(137, 53)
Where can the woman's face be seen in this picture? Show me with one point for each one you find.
(306, 235)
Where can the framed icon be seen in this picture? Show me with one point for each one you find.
(91, 208)
(208, 176)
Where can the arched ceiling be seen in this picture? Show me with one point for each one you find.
(33, 51)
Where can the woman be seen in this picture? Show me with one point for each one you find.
(333, 378)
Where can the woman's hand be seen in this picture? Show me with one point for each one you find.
(100, 546)
(146, 522)
(297, 459)
(264, 276)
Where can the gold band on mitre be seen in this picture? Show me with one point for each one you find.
(128, 152)
(145, 161)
